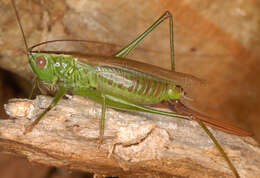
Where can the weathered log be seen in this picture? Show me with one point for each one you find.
(135, 143)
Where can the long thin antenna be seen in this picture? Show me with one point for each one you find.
(72, 40)
(20, 26)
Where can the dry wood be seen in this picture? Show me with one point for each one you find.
(135, 143)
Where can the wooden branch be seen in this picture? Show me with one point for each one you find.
(138, 143)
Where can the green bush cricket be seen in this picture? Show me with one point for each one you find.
(120, 83)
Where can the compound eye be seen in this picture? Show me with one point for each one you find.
(40, 61)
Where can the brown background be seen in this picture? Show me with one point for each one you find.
(218, 41)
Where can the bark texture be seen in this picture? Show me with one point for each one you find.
(136, 144)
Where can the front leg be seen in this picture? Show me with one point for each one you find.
(33, 87)
(102, 121)
(55, 100)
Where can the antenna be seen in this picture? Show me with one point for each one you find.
(20, 26)
(72, 40)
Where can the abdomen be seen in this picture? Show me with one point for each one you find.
(131, 85)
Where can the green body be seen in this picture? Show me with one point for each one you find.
(92, 80)
(116, 86)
